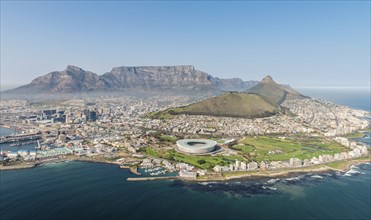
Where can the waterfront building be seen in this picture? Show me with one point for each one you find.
(252, 166)
(243, 166)
(296, 162)
(187, 174)
(263, 165)
(306, 162)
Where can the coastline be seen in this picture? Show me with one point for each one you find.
(344, 167)
(18, 167)
(284, 173)
(6, 126)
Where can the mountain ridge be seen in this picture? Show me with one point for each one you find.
(76, 80)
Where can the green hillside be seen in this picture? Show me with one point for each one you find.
(260, 101)
(231, 104)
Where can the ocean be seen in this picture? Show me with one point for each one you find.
(82, 190)
(357, 98)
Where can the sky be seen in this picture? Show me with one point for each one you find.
(300, 43)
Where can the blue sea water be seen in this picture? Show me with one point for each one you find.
(358, 98)
(80, 190)
(7, 131)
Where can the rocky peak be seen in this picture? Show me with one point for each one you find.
(71, 68)
(267, 79)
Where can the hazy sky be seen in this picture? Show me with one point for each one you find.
(308, 43)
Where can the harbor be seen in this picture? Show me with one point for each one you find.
(20, 137)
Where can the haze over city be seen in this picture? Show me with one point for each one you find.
(303, 44)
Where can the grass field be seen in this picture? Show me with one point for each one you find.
(244, 148)
(204, 162)
(341, 165)
(168, 138)
(255, 148)
(355, 135)
(302, 148)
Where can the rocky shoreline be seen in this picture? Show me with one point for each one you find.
(285, 173)
(260, 174)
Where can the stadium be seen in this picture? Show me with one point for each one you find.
(196, 146)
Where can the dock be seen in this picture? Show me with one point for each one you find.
(137, 179)
(134, 170)
(20, 137)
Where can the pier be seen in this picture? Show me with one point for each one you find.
(21, 137)
(137, 179)
(134, 170)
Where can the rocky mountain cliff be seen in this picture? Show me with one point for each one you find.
(72, 79)
(155, 77)
(234, 84)
(76, 80)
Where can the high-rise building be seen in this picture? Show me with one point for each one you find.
(92, 116)
(48, 112)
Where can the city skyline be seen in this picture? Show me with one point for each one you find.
(304, 44)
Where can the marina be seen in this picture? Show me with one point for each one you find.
(19, 137)
(22, 143)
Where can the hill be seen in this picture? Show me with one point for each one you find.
(273, 92)
(232, 104)
(262, 100)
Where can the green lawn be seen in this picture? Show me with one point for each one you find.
(355, 135)
(343, 164)
(168, 138)
(302, 147)
(204, 162)
(152, 152)
(244, 148)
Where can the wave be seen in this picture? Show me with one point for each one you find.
(272, 181)
(317, 176)
(293, 179)
(353, 172)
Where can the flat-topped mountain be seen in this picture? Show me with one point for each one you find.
(155, 76)
(76, 80)
(261, 100)
(273, 92)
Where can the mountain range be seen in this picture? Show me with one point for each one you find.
(76, 80)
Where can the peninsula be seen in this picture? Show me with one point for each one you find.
(266, 130)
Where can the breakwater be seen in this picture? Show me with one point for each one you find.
(136, 179)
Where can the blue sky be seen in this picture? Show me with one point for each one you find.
(304, 44)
